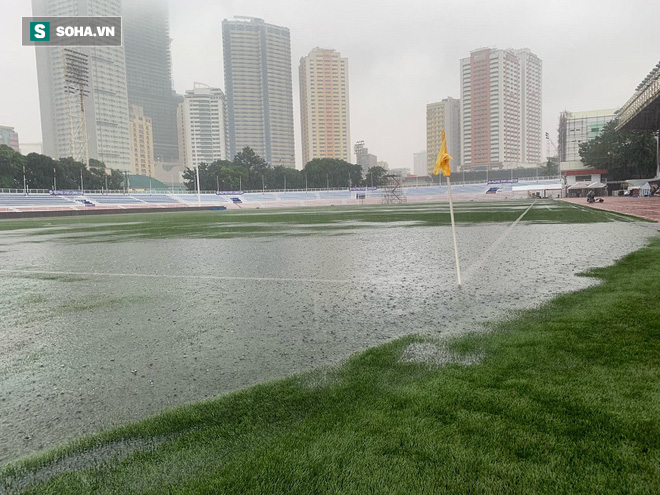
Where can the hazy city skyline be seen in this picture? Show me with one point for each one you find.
(402, 58)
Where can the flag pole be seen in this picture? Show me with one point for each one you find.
(442, 164)
(453, 232)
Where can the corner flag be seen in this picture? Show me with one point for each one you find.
(442, 162)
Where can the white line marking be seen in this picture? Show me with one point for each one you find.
(198, 277)
(470, 271)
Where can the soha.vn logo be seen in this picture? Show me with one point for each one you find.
(40, 31)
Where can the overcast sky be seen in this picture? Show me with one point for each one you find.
(402, 55)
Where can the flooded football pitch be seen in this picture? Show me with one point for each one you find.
(95, 334)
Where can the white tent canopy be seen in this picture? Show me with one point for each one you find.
(643, 186)
(587, 185)
(537, 187)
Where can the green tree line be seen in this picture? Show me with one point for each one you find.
(625, 154)
(249, 171)
(43, 172)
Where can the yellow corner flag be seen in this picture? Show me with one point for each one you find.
(442, 162)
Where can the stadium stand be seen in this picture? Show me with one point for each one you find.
(10, 200)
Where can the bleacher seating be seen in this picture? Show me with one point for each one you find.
(424, 191)
(258, 197)
(112, 199)
(16, 201)
(9, 200)
(206, 199)
(340, 194)
(162, 199)
(298, 196)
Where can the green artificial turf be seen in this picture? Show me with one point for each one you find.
(564, 398)
(299, 221)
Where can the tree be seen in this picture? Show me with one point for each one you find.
(376, 176)
(221, 175)
(255, 165)
(625, 154)
(280, 176)
(190, 178)
(551, 167)
(68, 173)
(11, 168)
(331, 172)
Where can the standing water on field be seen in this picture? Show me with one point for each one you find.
(97, 334)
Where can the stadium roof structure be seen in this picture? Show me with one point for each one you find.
(642, 110)
(587, 185)
(145, 182)
(537, 187)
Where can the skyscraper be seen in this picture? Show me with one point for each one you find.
(142, 143)
(500, 109)
(203, 122)
(363, 158)
(419, 163)
(9, 137)
(324, 107)
(149, 72)
(443, 116)
(103, 132)
(257, 63)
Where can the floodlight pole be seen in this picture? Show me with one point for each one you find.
(199, 199)
(657, 153)
(24, 182)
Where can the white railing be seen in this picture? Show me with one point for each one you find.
(265, 191)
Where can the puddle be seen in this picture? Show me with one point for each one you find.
(437, 355)
(92, 458)
(108, 333)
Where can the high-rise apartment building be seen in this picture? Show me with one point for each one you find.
(101, 132)
(500, 109)
(9, 137)
(441, 116)
(363, 158)
(146, 35)
(580, 127)
(257, 63)
(142, 144)
(203, 126)
(324, 106)
(419, 163)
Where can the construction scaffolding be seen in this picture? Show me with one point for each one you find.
(393, 193)
(76, 77)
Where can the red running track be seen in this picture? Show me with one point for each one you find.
(648, 208)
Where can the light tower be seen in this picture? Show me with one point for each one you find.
(76, 83)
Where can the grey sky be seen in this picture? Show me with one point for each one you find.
(402, 55)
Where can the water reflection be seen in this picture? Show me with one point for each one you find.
(95, 335)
